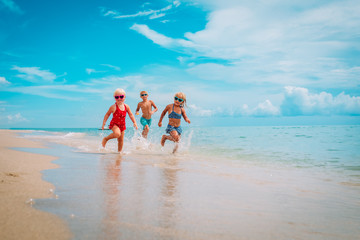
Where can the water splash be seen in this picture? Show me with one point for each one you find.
(30, 201)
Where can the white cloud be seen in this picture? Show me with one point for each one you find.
(153, 14)
(2, 108)
(241, 30)
(253, 72)
(112, 66)
(157, 15)
(161, 39)
(16, 118)
(34, 74)
(97, 86)
(299, 101)
(198, 111)
(273, 43)
(110, 13)
(90, 71)
(262, 109)
(12, 6)
(3, 81)
(176, 3)
(265, 109)
(65, 92)
(152, 35)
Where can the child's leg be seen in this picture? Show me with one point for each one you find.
(163, 139)
(174, 136)
(115, 134)
(145, 131)
(121, 141)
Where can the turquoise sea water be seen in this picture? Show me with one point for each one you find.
(300, 182)
(335, 148)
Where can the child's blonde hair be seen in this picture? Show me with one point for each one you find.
(182, 96)
(142, 92)
(119, 91)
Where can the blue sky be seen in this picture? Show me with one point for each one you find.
(238, 62)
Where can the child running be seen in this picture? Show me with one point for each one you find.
(117, 124)
(175, 111)
(146, 108)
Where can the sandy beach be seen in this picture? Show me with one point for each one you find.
(20, 181)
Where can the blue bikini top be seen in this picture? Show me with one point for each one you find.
(174, 114)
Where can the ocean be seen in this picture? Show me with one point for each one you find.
(253, 182)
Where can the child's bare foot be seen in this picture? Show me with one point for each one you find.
(104, 141)
(176, 147)
(163, 139)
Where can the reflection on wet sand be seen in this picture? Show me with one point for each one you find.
(168, 217)
(170, 197)
(111, 188)
(138, 203)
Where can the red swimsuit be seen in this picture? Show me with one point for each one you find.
(118, 118)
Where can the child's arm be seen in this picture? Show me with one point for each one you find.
(107, 115)
(162, 115)
(155, 108)
(131, 116)
(184, 115)
(137, 109)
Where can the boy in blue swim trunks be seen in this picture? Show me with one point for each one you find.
(175, 111)
(146, 108)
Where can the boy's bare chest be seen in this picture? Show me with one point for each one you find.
(145, 106)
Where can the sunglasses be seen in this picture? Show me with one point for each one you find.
(143, 95)
(121, 97)
(178, 99)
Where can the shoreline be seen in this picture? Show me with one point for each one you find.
(20, 181)
(150, 193)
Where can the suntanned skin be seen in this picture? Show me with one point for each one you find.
(174, 136)
(146, 108)
(117, 133)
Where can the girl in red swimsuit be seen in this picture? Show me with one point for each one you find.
(117, 124)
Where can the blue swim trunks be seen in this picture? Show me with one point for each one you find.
(172, 128)
(145, 121)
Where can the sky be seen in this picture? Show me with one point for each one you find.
(266, 62)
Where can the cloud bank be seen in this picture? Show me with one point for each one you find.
(298, 101)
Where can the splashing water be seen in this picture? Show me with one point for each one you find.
(89, 141)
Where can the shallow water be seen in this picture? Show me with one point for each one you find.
(224, 183)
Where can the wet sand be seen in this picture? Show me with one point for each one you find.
(166, 196)
(149, 194)
(21, 181)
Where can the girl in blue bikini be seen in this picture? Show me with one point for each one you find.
(175, 111)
